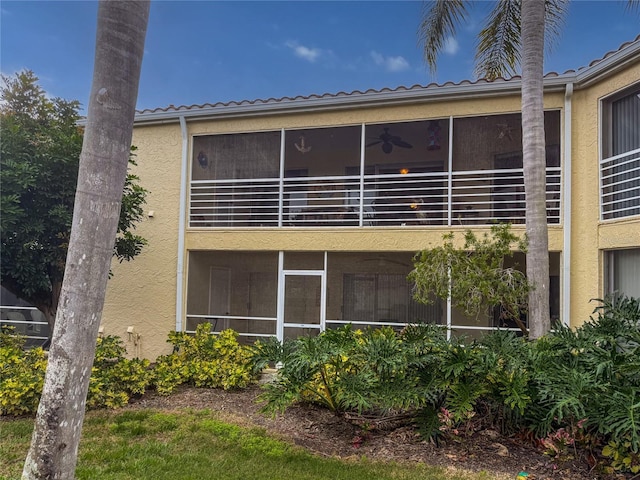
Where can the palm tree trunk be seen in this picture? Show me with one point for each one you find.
(103, 167)
(533, 146)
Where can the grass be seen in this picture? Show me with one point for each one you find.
(149, 444)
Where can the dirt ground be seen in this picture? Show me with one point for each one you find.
(323, 433)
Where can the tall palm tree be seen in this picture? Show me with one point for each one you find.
(514, 34)
(120, 41)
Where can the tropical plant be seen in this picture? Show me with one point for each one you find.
(514, 35)
(372, 371)
(570, 389)
(114, 378)
(590, 377)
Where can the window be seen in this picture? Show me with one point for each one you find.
(623, 272)
(620, 167)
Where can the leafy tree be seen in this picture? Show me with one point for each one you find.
(474, 276)
(120, 36)
(40, 149)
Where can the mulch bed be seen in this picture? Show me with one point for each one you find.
(324, 433)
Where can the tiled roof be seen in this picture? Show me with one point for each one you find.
(330, 96)
(612, 52)
(271, 100)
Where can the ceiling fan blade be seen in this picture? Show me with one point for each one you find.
(371, 144)
(401, 143)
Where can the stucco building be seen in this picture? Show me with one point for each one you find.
(288, 216)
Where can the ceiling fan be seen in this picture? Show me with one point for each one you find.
(388, 141)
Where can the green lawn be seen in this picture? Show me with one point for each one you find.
(154, 445)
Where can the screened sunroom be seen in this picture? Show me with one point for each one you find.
(435, 172)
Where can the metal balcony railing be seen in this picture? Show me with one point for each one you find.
(620, 186)
(27, 321)
(477, 197)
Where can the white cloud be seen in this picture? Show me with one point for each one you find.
(451, 46)
(378, 58)
(306, 53)
(391, 64)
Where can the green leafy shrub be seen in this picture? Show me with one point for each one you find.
(372, 371)
(592, 372)
(591, 376)
(114, 378)
(21, 374)
(622, 455)
(571, 389)
(204, 360)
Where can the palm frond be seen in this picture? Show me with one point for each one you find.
(499, 42)
(439, 21)
(633, 5)
(554, 19)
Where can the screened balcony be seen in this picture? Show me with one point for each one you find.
(412, 173)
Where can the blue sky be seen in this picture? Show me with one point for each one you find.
(207, 52)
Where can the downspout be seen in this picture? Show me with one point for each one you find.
(449, 217)
(182, 225)
(566, 214)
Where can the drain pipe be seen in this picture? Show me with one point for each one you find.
(182, 225)
(566, 214)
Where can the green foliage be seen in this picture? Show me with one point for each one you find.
(128, 244)
(591, 376)
(572, 388)
(39, 153)
(39, 149)
(416, 372)
(372, 371)
(473, 276)
(593, 373)
(204, 360)
(114, 378)
(623, 457)
(21, 374)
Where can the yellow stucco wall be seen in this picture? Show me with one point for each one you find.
(589, 236)
(142, 293)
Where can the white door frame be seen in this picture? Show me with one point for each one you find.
(282, 276)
